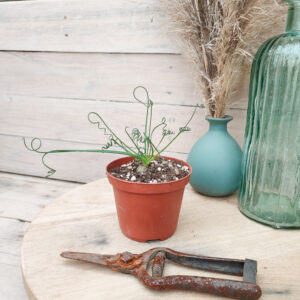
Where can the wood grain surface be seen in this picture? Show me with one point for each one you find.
(133, 26)
(77, 167)
(21, 199)
(62, 124)
(85, 220)
(60, 59)
(97, 76)
(49, 95)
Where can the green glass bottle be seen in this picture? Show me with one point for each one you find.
(270, 186)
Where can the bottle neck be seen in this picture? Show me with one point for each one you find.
(293, 18)
(216, 124)
(218, 127)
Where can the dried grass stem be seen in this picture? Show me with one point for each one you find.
(220, 37)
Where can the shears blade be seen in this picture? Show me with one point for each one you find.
(92, 258)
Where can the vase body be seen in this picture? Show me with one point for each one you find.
(216, 160)
(270, 185)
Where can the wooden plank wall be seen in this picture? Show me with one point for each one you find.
(60, 60)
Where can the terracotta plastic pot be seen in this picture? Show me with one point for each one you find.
(147, 211)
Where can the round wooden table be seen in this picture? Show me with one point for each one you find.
(85, 220)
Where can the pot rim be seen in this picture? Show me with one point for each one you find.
(148, 183)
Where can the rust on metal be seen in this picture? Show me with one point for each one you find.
(138, 264)
(158, 264)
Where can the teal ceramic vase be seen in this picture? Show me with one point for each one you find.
(216, 160)
(270, 185)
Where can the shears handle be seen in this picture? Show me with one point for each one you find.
(220, 287)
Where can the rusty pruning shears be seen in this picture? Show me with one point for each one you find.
(137, 265)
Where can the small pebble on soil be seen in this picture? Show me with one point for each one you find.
(158, 171)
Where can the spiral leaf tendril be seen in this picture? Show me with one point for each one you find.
(141, 148)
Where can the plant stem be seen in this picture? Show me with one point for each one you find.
(111, 131)
(180, 131)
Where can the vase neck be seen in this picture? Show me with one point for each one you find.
(218, 124)
(293, 17)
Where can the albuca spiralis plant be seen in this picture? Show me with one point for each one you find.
(142, 147)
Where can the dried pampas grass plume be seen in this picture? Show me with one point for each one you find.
(220, 37)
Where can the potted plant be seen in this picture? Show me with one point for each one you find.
(219, 38)
(148, 187)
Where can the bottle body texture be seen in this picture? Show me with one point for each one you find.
(270, 186)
